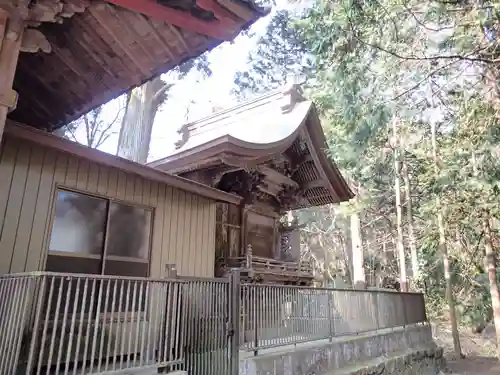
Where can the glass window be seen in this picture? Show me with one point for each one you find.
(129, 231)
(79, 224)
(82, 241)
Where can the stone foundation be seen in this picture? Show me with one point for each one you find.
(407, 351)
(418, 362)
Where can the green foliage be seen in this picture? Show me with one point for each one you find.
(416, 63)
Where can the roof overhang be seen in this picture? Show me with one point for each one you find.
(45, 139)
(79, 54)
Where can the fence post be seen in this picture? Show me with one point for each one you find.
(330, 316)
(255, 306)
(405, 321)
(422, 304)
(234, 321)
(170, 271)
(377, 308)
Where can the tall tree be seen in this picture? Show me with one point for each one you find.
(279, 53)
(137, 124)
(409, 221)
(444, 251)
(399, 211)
(142, 105)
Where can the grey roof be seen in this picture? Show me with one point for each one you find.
(257, 132)
(257, 123)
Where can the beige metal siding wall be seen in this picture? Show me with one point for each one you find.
(183, 225)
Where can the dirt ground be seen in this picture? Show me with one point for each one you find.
(479, 350)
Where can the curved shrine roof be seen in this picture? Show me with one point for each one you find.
(281, 124)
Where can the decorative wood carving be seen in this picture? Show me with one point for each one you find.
(27, 13)
(34, 41)
(291, 96)
(184, 133)
(289, 196)
(242, 183)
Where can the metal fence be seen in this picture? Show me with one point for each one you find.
(53, 323)
(276, 315)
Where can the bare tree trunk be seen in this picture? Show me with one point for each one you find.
(357, 253)
(444, 252)
(490, 263)
(409, 219)
(137, 124)
(399, 216)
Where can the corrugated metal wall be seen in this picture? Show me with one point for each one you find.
(183, 224)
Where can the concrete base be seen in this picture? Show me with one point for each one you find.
(407, 351)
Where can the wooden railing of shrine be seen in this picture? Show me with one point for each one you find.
(261, 265)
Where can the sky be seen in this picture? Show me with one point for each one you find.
(195, 94)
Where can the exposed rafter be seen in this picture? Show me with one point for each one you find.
(220, 29)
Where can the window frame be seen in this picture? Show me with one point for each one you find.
(116, 317)
(103, 255)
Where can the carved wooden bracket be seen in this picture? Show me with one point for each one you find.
(27, 13)
(34, 41)
(9, 100)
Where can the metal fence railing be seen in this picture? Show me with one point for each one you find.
(277, 315)
(53, 323)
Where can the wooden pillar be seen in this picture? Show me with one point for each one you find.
(10, 44)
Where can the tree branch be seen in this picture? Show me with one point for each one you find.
(428, 76)
(424, 58)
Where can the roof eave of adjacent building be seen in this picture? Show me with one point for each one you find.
(24, 132)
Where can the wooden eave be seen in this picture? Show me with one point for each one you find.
(108, 49)
(45, 139)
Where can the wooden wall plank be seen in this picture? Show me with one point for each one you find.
(138, 190)
(187, 257)
(194, 227)
(93, 179)
(72, 171)
(146, 192)
(174, 228)
(102, 180)
(203, 223)
(156, 250)
(39, 233)
(181, 221)
(61, 167)
(168, 252)
(179, 235)
(83, 175)
(121, 185)
(112, 183)
(13, 211)
(210, 247)
(8, 155)
(129, 187)
(25, 224)
(156, 238)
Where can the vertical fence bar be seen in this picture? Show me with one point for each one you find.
(405, 317)
(234, 321)
(40, 294)
(255, 307)
(331, 326)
